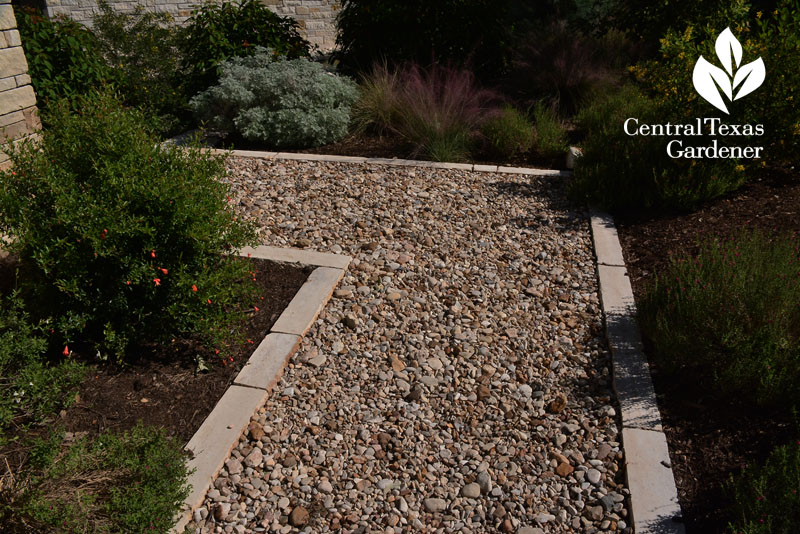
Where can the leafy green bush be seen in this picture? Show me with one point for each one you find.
(508, 133)
(283, 103)
(775, 38)
(473, 33)
(619, 171)
(768, 496)
(31, 388)
(122, 238)
(129, 483)
(217, 32)
(64, 58)
(551, 137)
(143, 48)
(731, 314)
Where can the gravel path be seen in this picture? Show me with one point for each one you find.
(458, 381)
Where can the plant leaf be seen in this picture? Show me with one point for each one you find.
(725, 44)
(751, 76)
(704, 76)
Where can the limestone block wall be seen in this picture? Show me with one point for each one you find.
(18, 117)
(316, 17)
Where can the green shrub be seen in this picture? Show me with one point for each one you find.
(64, 58)
(508, 133)
(463, 33)
(143, 48)
(619, 171)
(217, 32)
(283, 103)
(551, 137)
(121, 237)
(130, 483)
(768, 496)
(31, 388)
(775, 37)
(731, 314)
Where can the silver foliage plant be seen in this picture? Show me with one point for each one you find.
(282, 103)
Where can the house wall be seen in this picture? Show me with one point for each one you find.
(18, 115)
(316, 17)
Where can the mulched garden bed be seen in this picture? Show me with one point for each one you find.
(710, 438)
(164, 387)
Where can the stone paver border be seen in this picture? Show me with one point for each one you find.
(185, 137)
(212, 443)
(654, 496)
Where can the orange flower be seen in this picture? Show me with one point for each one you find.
(194, 288)
(66, 350)
(163, 270)
(157, 281)
(152, 253)
(209, 301)
(255, 308)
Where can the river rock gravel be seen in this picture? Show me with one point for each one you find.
(457, 381)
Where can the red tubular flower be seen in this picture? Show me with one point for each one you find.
(209, 301)
(163, 270)
(66, 350)
(152, 253)
(194, 288)
(157, 281)
(255, 308)
(103, 234)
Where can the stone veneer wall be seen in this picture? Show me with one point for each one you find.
(18, 116)
(316, 17)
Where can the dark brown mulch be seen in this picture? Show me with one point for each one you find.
(165, 388)
(391, 147)
(710, 438)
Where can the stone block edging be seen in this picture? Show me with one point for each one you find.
(217, 436)
(654, 497)
(183, 138)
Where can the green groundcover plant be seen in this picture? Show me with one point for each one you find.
(767, 497)
(732, 316)
(122, 239)
(132, 482)
(280, 102)
(31, 386)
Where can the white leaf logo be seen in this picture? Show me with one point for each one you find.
(709, 79)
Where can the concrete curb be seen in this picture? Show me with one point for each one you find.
(217, 436)
(183, 138)
(654, 496)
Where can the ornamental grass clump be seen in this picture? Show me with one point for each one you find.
(282, 103)
(439, 111)
(731, 315)
(121, 239)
